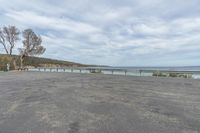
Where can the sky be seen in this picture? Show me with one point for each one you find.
(111, 32)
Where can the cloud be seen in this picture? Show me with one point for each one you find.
(112, 32)
(44, 22)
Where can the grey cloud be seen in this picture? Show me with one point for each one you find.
(112, 32)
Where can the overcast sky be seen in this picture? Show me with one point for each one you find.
(111, 32)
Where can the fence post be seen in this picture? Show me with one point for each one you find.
(140, 72)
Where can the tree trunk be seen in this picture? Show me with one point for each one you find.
(13, 62)
(21, 61)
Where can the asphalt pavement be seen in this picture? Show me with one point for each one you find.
(34, 102)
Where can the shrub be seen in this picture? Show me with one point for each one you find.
(159, 74)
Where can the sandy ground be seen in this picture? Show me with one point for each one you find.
(33, 102)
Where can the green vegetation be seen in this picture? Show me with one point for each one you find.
(180, 75)
(159, 74)
(3, 61)
(34, 62)
(95, 71)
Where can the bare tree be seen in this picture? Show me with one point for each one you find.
(3, 40)
(8, 38)
(31, 45)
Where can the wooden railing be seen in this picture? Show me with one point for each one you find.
(166, 73)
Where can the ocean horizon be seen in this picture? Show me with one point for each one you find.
(171, 68)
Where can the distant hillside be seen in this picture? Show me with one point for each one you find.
(35, 62)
